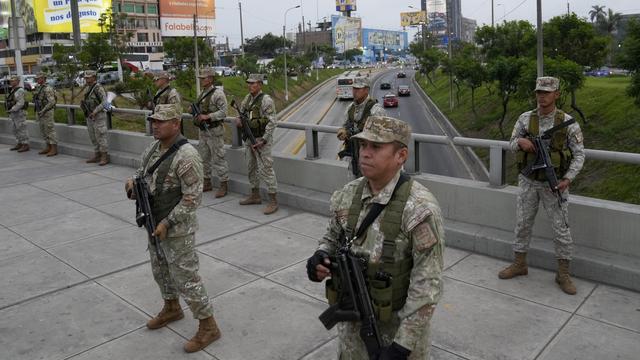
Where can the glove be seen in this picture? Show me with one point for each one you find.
(342, 134)
(316, 259)
(394, 352)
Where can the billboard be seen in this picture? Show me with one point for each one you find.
(413, 18)
(384, 39)
(345, 5)
(437, 16)
(346, 33)
(54, 16)
(176, 17)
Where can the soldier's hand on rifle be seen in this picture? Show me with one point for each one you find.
(161, 231)
(128, 187)
(318, 266)
(260, 142)
(343, 134)
(563, 185)
(526, 145)
(92, 115)
(238, 122)
(203, 117)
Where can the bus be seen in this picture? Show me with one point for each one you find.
(141, 62)
(345, 82)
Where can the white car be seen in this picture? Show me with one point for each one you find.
(31, 80)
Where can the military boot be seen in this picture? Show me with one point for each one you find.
(53, 151)
(208, 332)
(94, 159)
(45, 150)
(272, 206)
(519, 267)
(222, 190)
(23, 148)
(254, 198)
(104, 158)
(206, 185)
(563, 279)
(170, 312)
(18, 145)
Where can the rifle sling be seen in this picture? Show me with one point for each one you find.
(206, 95)
(558, 127)
(157, 96)
(176, 145)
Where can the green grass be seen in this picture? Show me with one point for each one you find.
(613, 123)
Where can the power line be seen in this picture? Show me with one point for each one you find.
(512, 10)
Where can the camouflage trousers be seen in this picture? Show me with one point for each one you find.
(530, 195)
(19, 120)
(261, 168)
(47, 128)
(351, 346)
(98, 131)
(178, 275)
(211, 149)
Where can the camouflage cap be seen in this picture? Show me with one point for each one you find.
(41, 75)
(547, 83)
(165, 112)
(161, 75)
(14, 78)
(206, 73)
(255, 78)
(384, 129)
(361, 82)
(90, 73)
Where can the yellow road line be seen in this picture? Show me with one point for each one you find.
(301, 138)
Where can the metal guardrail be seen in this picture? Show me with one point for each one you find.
(497, 148)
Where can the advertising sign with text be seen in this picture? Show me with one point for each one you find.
(176, 17)
(54, 16)
(347, 33)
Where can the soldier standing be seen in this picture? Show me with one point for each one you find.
(567, 155)
(93, 106)
(356, 115)
(165, 93)
(176, 186)
(261, 112)
(213, 110)
(44, 101)
(16, 107)
(412, 264)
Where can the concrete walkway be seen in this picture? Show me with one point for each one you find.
(76, 283)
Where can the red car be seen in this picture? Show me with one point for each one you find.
(390, 100)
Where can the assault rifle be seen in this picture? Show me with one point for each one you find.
(246, 130)
(354, 302)
(144, 217)
(350, 148)
(195, 111)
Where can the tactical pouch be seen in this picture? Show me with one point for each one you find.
(381, 294)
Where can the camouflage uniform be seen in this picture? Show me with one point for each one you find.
(358, 111)
(45, 98)
(179, 274)
(261, 169)
(17, 113)
(533, 191)
(211, 142)
(421, 238)
(95, 99)
(169, 96)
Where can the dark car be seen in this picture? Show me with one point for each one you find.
(390, 100)
(403, 90)
(385, 86)
(402, 74)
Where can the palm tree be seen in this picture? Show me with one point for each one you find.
(596, 12)
(609, 24)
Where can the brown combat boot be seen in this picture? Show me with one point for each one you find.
(208, 332)
(519, 267)
(94, 159)
(170, 312)
(53, 151)
(23, 148)
(222, 190)
(254, 198)
(45, 150)
(563, 279)
(18, 145)
(104, 158)
(272, 206)
(206, 185)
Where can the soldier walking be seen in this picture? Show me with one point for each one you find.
(175, 182)
(17, 107)
(93, 105)
(213, 110)
(261, 113)
(356, 115)
(403, 279)
(44, 101)
(567, 155)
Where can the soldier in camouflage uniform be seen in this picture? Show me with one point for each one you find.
(165, 93)
(567, 155)
(210, 122)
(356, 115)
(44, 102)
(93, 105)
(413, 220)
(176, 187)
(262, 121)
(16, 106)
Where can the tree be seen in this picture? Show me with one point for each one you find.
(510, 39)
(247, 65)
(630, 58)
(468, 69)
(429, 62)
(66, 68)
(572, 38)
(609, 25)
(351, 54)
(181, 50)
(596, 13)
(108, 45)
(507, 71)
(266, 46)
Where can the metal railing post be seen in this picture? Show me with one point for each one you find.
(109, 120)
(71, 116)
(412, 166)
(236, 137)
(311, 137)
(497, 166)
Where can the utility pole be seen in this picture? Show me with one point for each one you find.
(568, 10)
(492, 15)
(241, 33)
(16, 40)
(75, 22)
(450, 50)
(540, 59)
(195, 47)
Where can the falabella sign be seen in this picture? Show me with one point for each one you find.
(176, 17)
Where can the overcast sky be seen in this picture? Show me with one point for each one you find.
(262, 16)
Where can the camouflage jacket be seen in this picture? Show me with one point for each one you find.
(95, 98)
(359, 110)
(215, 106)
(575, 141)
(170, 96)
(421, 237)
(15, 100)
(185, 173)
(44, 99)
(267, 110)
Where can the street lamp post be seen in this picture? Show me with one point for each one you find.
(284, 50)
